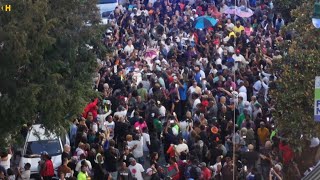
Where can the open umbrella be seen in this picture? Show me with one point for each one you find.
(203, 22)
(230, 10)
(151, 53)
(244, 12)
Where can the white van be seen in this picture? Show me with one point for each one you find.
(106, 7)
(38, 141)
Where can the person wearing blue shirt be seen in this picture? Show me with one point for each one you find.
(183, 89)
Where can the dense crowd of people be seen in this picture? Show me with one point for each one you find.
(178, 102)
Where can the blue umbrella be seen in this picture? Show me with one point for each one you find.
(205, 22)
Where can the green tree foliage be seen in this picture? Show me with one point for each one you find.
(285, 6)
(295, 93)
(44, 64)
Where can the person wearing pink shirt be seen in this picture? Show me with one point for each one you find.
(139, 125)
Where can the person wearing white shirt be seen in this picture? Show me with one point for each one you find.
(218, 61)
(25, 173)
(129, 48)
(5, 160)
(122, 112)
(265, 86)
(195, 103)
(109, 125)
(137, 148)
(162, 109)
(239, 59)
(136, 169)
(83, 158)
(229, 24)
(256, 87)
(243, 91)
(181, 147)
(146, 143)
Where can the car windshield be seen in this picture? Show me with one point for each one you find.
(52, 147)
(107, 1)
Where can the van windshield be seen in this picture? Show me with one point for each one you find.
(107, 1)
(52, 147)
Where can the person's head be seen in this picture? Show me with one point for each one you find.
(145, 130)
(219, 159)
(262, 125)
(238, 24)
(126, 150)
(253, 98)
(83, 168)
(194, 84)
(81, 145)
(130, 42)
(251, 147)
(141, 120)
(154, 156)
(203, 165)
(82, 156)
(10, 172)
(180, 140)
(172, 160)
(268, 145)
(223, 100)
(278, 168)
(27, 166)
(75, 121)
(129, 138)
(132, 161)
(112, 143)
(109, 118)
(90, 116)
(66, 148)
(188, 115)
(4, 154)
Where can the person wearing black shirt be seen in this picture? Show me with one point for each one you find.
(126, 156)
(111, 159)
(214, 153)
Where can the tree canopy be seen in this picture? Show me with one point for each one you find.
(285, 6)
(45, 66)
(295, 92)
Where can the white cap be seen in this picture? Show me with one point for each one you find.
(314, 142)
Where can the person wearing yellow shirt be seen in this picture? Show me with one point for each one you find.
(263, 133)
(83, 175)
(238, 28)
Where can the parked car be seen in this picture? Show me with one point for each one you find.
(39, 140)
(106, 7)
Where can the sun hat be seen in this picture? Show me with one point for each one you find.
(214, 130)
(314, 142)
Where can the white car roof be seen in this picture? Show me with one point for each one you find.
(38, 132)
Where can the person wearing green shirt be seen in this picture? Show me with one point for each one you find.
(142, 92)
(241, 118)
(83, 175)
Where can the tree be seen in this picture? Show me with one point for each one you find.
(285, 7)
(45, 66)
(295, 92)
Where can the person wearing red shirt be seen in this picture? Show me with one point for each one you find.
(91, 107)
(206, 172)
(287, 153)
(46, 170)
